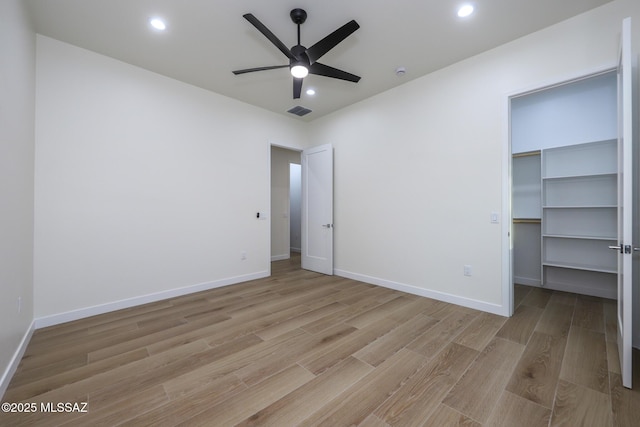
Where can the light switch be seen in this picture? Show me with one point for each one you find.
(495, 218)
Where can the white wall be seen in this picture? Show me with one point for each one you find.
(281, 158)
(575, 113)
(295, 207)
(419, 169)
(17, 116)
(145, 187)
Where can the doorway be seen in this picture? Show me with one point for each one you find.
(285, 202)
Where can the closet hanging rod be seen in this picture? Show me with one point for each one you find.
(527, 221)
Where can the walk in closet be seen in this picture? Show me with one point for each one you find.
(564, 186)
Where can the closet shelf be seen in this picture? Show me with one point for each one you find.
(583, 237)
(584, 267)
(587, 176)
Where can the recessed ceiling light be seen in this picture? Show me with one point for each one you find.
(311, 92)
(158, 24)
(465, 10)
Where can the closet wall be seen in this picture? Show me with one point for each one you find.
(564, 186)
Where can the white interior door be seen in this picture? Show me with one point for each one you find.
(317, 209)
(625, 201)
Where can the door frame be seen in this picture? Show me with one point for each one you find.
(507, 165)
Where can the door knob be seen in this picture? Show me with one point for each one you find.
(327, 225)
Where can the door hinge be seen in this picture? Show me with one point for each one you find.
(627, 249)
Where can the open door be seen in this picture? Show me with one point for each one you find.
(317, 209)
(625, 246)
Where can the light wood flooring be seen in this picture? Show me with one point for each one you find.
(301, 348)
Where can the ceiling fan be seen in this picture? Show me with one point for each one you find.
(302, 60)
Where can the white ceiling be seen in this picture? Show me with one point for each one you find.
(207, 39)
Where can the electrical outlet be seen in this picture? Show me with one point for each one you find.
(243, 255)
(467, 270)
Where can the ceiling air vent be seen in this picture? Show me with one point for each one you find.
(299, 111)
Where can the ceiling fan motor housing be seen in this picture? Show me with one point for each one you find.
(300, 52)
(298, 16)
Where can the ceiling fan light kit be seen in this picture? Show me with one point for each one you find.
(302, 60)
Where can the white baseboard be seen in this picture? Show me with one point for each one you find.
(440, 296)
(296, 250)
(280, 257)
(15, 360)
(55, 319)
(527, 281)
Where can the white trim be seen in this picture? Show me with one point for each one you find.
(507, 221)
(527, 281)
(410, 289)
(55, 319)
(280, 257)
(15, 360)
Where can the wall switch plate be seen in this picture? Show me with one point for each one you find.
(467, 270)
(495, 218)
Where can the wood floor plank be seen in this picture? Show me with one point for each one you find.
(295, 407)
(610, 311)
(183, 407)
(299, 321)
(625, 403)
(285, 356)
(520, 326)
(41, 385)
(357, 402)
(556, 320)
(200, 378)
(480, 331)
(249, 323)
(564, 298)
(577, 405)
(490, 373)
(352, 309)
(379, 350)
(422, 393)
(536, 374)
(185, 332)
(43, 369)
(252, 400)
(445, 416)
(589, 313)
(123, 410)
(373, 421)
(591, 371)
(537, 297)
(322, 359)
(520, 292)
(438, 336)
(513, 410)
(370, 316)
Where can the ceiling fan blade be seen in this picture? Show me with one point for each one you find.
(268, 34)
(251, 70)
(326, 44)
(297, 87)
(324, 70)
